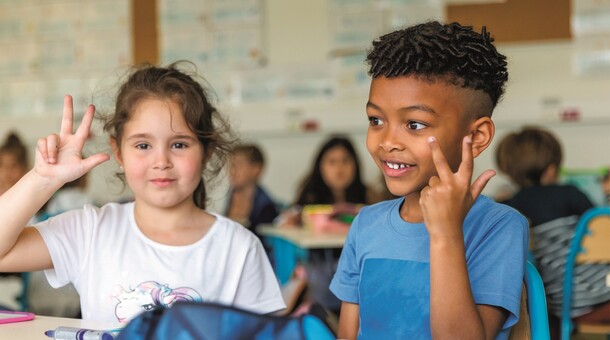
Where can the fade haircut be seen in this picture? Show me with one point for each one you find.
(449, 52)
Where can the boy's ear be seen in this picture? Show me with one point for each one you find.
(482, 131)
(116, 151)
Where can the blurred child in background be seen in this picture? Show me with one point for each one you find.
(334, 179)
(248, 203)
(14, 161)
(532, 159)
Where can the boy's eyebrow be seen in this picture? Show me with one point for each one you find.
(418, 107)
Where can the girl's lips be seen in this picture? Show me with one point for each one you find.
(162, 182)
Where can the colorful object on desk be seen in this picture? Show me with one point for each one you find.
(73, 333)
(7, 316)
(326, 218)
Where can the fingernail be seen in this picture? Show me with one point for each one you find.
(431, 139)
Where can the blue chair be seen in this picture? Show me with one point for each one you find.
(536, 304)
(577, 247)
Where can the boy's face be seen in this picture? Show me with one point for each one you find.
(403, 112)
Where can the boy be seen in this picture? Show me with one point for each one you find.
(441, 261)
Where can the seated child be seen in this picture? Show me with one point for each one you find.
(248, 201)
(163, 247)
(532, 159)
(441, 261)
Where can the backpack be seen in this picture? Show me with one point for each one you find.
(205, 320)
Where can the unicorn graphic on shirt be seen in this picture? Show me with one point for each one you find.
(148, 295)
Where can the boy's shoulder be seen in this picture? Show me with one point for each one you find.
(487, 213)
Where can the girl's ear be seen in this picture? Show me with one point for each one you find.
(116, 151)
(482, 131)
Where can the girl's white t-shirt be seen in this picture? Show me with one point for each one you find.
(119, 272)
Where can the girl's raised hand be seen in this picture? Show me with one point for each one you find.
(59, 156)
(446, 200)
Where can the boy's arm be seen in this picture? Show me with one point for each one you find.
(58, 161)
(445, 203)
(349, 321)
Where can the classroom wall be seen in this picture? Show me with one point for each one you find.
(542, 84)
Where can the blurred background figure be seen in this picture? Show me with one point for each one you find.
(532, 159)
(14, 161)
(248, 202)
(334, 179)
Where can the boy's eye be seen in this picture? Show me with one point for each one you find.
(142, 146)
(374, 121)
(415, 125)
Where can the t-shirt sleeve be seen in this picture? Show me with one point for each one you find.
(66, 237)
(497, 265)
(258, 289)
(347, 277)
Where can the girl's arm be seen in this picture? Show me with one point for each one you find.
(58, 160)
(349, 321)
(445, 203)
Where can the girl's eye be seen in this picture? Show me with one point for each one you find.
(179, 145)
(415, 125)
(374, 121)
(143, 146)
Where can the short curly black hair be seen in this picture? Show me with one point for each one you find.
(432, 50)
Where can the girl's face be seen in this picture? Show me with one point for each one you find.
(338, 168)
(162, 158)
(10, 170)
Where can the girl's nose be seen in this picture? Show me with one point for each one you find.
(162, 160)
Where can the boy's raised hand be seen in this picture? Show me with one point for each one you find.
(446, 200)
(59, 156)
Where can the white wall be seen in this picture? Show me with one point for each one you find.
(297, 34)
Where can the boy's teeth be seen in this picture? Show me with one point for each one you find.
(396, 166)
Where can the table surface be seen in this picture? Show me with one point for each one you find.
(35, 329)
(304, 238)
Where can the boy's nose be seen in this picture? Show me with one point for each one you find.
(390, 141)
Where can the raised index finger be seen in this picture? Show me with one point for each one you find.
(67, 117)
(467, 164)
(440, 162)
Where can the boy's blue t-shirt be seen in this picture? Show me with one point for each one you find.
(385, 267)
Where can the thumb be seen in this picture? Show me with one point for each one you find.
(479, 184)
(94, 160)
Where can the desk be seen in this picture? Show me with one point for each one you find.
(291, 244)
(35, 329)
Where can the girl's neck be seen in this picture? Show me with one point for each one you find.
(339, 196)
(179, 225)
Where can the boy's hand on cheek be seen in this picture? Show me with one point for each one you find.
(446, 200)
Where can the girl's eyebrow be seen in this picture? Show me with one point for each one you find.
(149, 136)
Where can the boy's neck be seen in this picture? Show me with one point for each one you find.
(410, 210)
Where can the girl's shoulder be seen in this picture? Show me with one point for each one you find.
(227, 228)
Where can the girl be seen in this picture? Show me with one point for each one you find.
(164, 134)
(334, 179)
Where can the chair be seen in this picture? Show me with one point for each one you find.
(586, 248)
(536, 303)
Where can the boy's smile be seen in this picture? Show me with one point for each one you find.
(403, 112)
